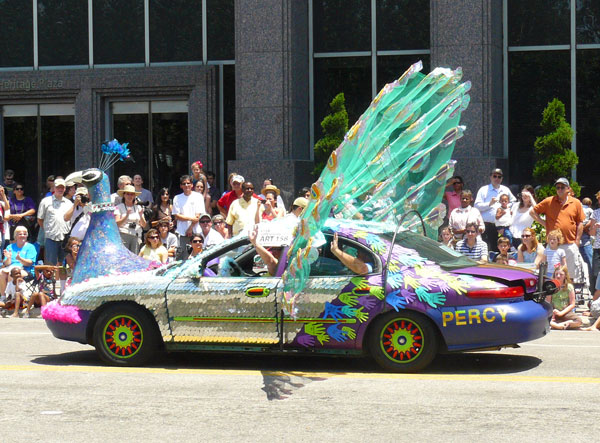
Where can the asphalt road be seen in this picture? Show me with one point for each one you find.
(56, 391)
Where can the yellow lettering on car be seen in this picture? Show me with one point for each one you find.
(485, 317)
(447, 316)
(503, 313)
(474, 315)
(461, 319)
(471, 316)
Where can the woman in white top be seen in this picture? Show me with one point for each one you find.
(130, 218)
(521, 218)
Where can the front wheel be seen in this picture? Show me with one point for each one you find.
(403, 341)
(125, 335)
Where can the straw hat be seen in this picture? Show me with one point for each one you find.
(127, 188)
(270, 188)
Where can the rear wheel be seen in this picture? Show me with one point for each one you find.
(403, 341)
(125, 335)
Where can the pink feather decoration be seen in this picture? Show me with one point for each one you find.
(56, 312)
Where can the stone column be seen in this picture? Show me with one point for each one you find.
(271, 83)
(468, 33)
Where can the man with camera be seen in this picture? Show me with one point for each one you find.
(51, 219)
(79, 214)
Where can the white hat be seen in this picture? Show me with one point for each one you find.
(237, 179)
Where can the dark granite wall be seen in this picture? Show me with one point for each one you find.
(468, 33)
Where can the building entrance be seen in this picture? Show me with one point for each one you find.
(38, 140)
(157, 132)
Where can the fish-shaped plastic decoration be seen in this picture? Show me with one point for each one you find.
(102, 252)
(395, 158)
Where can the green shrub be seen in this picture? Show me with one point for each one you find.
(335, 126)
(554, 157)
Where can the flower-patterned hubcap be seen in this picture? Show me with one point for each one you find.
(123, 336)
(401, 340)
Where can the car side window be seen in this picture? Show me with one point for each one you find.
(327, 264)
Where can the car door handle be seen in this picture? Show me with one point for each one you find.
(257, 292)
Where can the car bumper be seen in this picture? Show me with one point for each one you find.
(481, 326)
(71, 331)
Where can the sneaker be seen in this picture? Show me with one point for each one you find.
(26, 315)
(3, 312)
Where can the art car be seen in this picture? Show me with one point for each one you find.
(420, 299)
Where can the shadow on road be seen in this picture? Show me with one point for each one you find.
(463, 363)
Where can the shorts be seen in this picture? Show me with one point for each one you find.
(568, 316)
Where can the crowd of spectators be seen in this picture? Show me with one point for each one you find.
(499, 227)
(40, 242)
(495, 226)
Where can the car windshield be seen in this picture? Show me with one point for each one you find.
(441, 254)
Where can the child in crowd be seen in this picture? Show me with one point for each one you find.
(13, 294)
(554, 255)
(563, 302)
(504, 256)
(446, 237)
(504, 216)
(47, 288)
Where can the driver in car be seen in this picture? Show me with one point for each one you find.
(359, 264)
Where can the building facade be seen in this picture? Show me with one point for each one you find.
(243, 85)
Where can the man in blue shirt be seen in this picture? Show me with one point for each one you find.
(18, 254)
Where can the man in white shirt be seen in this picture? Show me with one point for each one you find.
(210, 236)
(242, 211)
(187, 208)
(51, 213)
(145, 196)
(486, 202)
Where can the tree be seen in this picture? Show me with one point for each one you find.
(554, 157)
(335, 126)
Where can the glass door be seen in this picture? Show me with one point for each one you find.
(38, 140)
(157, 132)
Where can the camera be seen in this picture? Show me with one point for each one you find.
(131, 225)
(141, 203)
(85, 199)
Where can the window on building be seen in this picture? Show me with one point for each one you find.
(538, 22)
(588, 21)
(220, 29)
(402, 24)
(350, 75)
(16, 33)
(118, 31)
(535, 78)
(342, 25)
(588, 110)
(175, 30)
(62, 32)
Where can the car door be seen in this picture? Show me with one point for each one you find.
(335, 305)
(232, 307)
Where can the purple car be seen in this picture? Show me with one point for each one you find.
(418, 299)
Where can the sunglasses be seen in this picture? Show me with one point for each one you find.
(219, 222)
(471, 232)
(197, 241)
(525, 235)
(496, 176)
(204, 222)
(153, 237)
(248, 189)
(18, 189)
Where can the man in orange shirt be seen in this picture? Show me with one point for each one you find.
(564, 212)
